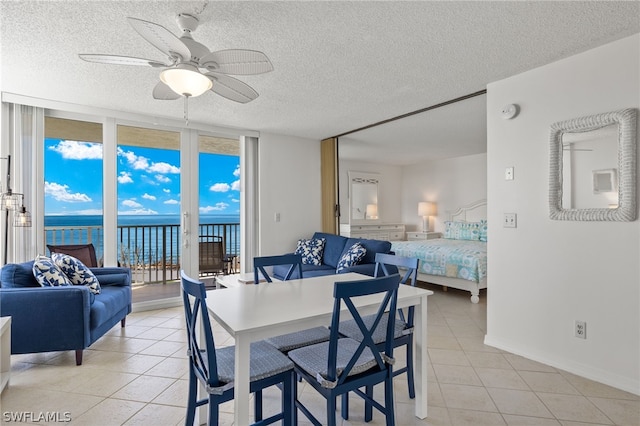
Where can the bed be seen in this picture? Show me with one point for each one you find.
(459, 261)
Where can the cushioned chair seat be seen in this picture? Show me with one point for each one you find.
(266, 361)
(350, 329)
(299, 339)
(108, 303)
(314, 359)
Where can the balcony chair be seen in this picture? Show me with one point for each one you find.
(85, 253)
(344, 365)
(403, 334)
(214, 368)
(211, 255)
(298, 339)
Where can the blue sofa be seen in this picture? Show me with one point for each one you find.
(46, 319)
(335, 246)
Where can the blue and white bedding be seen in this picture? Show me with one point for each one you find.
(465, 259)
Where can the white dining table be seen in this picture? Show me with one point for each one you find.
(255, 312)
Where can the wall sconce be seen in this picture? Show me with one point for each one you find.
(12, 201)
(426, 209)
(371, 212)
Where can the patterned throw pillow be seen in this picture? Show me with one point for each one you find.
(48, 274)
(483, 230)
(462, 230)
(352, 257)
(76, 271)
(311, 250)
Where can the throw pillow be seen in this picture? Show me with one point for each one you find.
(76, 271)
(351, 257)
(311, 250)
(483, 230)
(462, 230)
(48, 274)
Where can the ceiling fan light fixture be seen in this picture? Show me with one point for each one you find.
(186, 81)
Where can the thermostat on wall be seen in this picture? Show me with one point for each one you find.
(509, 111)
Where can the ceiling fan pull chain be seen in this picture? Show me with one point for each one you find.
(186, 110)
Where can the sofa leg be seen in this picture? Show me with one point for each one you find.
(78, 356)
(122, 321)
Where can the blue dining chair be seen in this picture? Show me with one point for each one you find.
(294, 261)
(403, 331)
(344, 365)
(298, 339)
(214, 368)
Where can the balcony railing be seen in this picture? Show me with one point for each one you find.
(151, 251)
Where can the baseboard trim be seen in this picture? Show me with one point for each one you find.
(149, 305)
(588, 372)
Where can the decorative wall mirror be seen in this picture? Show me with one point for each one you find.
(363, 197)
(593, 168)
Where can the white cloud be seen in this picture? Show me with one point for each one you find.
(162, 178)
(172, 202)
(235, 200)
(220, 187)
(74, 150)
(125, 177)
(236, 172)
(166, 190)
(149, 197)
(218, 207)
(236, 185)
(61, 193)
(89, 212)
(131, 203)
(137, 212)
(163, 168)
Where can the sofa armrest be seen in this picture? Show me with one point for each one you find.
(47, 318)
(113, 276)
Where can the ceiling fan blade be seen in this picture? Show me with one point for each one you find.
(160, 37)
(164, 93)
(120, 60)
(237, 62)
(231, 88)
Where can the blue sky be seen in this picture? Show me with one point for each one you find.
(148, 180)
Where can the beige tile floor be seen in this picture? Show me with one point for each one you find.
(138, 376)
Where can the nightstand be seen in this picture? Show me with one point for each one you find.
(417, 236)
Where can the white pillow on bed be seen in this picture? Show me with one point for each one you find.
(462, 230)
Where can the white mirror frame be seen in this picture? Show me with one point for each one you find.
(627, 142)
(363, 178)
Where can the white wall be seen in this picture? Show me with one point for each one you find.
(450, 183)
(289, 184)
(389, 206)
(545, 274)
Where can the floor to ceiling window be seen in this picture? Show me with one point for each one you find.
(73, 183)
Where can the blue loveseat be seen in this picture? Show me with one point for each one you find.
(335, 246)
(45, 319)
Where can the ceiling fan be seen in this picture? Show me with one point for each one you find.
(191, 68)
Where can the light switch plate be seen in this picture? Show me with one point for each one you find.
(510, 220)
(508, 173)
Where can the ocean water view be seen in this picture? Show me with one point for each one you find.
(143, 240)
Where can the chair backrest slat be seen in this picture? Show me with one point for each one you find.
(345, 292)
(409, 278)
(202, 358)
(260, 263)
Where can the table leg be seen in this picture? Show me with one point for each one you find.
(241, 416)
(420, 357)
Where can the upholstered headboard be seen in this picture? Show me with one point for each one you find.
(473, 212)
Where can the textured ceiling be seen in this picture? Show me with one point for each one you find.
(338, 65)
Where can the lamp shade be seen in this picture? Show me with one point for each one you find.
(426, 208)
(372, 211)
(186, 80)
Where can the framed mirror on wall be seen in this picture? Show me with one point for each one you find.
(363, 197)
(593, 168)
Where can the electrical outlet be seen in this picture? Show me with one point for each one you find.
(581, 329)
(509, 220)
